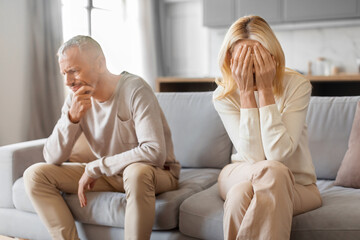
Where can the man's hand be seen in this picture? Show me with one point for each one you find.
(81, 102)
(85, 183)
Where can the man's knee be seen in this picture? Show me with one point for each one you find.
(34, 172)
(139, 175)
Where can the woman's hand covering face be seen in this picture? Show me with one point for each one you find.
(265, 67)
(241, 66)
(248, 62)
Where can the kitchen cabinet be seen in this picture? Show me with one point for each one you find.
(270, 10)
(184, 39)
(218, 13)
(279, 11)
(307, 10)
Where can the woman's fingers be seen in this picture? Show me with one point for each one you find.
(235, 59)
(242, 61)
(257, 68)
(259, 55)
(235, 56)
(247, 71)
(246, 61)
(266, 56)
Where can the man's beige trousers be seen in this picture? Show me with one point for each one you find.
(261, 199)
(140, 182)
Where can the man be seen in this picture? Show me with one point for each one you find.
(127, 131)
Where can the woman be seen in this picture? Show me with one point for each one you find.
(263, 107)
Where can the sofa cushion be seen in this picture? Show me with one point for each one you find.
(329, 122)
(201, 215)
(348, 174)
(108, 208)
(199, 137)
(337, 218)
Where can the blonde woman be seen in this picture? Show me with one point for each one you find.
(263, 107)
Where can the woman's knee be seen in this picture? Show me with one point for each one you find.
(240, 195)
(275, 170)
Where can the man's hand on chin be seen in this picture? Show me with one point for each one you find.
(85, 183)
(81, 103)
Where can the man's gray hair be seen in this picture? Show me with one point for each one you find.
(82, 42)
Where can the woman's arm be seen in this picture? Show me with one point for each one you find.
(243, 128)
(280, 133)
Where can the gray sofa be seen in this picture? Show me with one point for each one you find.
(195, 210)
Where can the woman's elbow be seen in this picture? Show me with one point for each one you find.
(279, 154)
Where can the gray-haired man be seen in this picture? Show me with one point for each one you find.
(127, 131)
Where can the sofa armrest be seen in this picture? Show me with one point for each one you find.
(14, 159)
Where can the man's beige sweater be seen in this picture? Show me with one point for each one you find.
(129, 127)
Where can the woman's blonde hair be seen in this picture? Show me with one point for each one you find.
(255, 28)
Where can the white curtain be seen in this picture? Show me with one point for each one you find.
(143, 20)
(130, 37)
(45, 83)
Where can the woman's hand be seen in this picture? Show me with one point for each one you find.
(265, 68)
(265, 71)
(241, 66)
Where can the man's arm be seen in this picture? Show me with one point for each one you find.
(150, 134)
(58, 146)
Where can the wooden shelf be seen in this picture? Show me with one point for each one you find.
(179, 84)
(334, 85)
(334, 78)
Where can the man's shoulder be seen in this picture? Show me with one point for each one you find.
(131, 82)
(133, 86)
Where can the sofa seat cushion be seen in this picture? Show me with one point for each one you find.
(201, 215)
(108, 208)
(338, 218)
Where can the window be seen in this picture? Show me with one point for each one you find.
(105, 21)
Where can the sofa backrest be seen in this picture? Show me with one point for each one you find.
(199, 137)
(329, 122)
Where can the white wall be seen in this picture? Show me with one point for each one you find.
(185, 39)
(340, 45)
(12, 70)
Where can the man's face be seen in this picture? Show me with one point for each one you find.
(77, 69)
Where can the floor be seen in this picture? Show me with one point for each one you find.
(9, 238)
